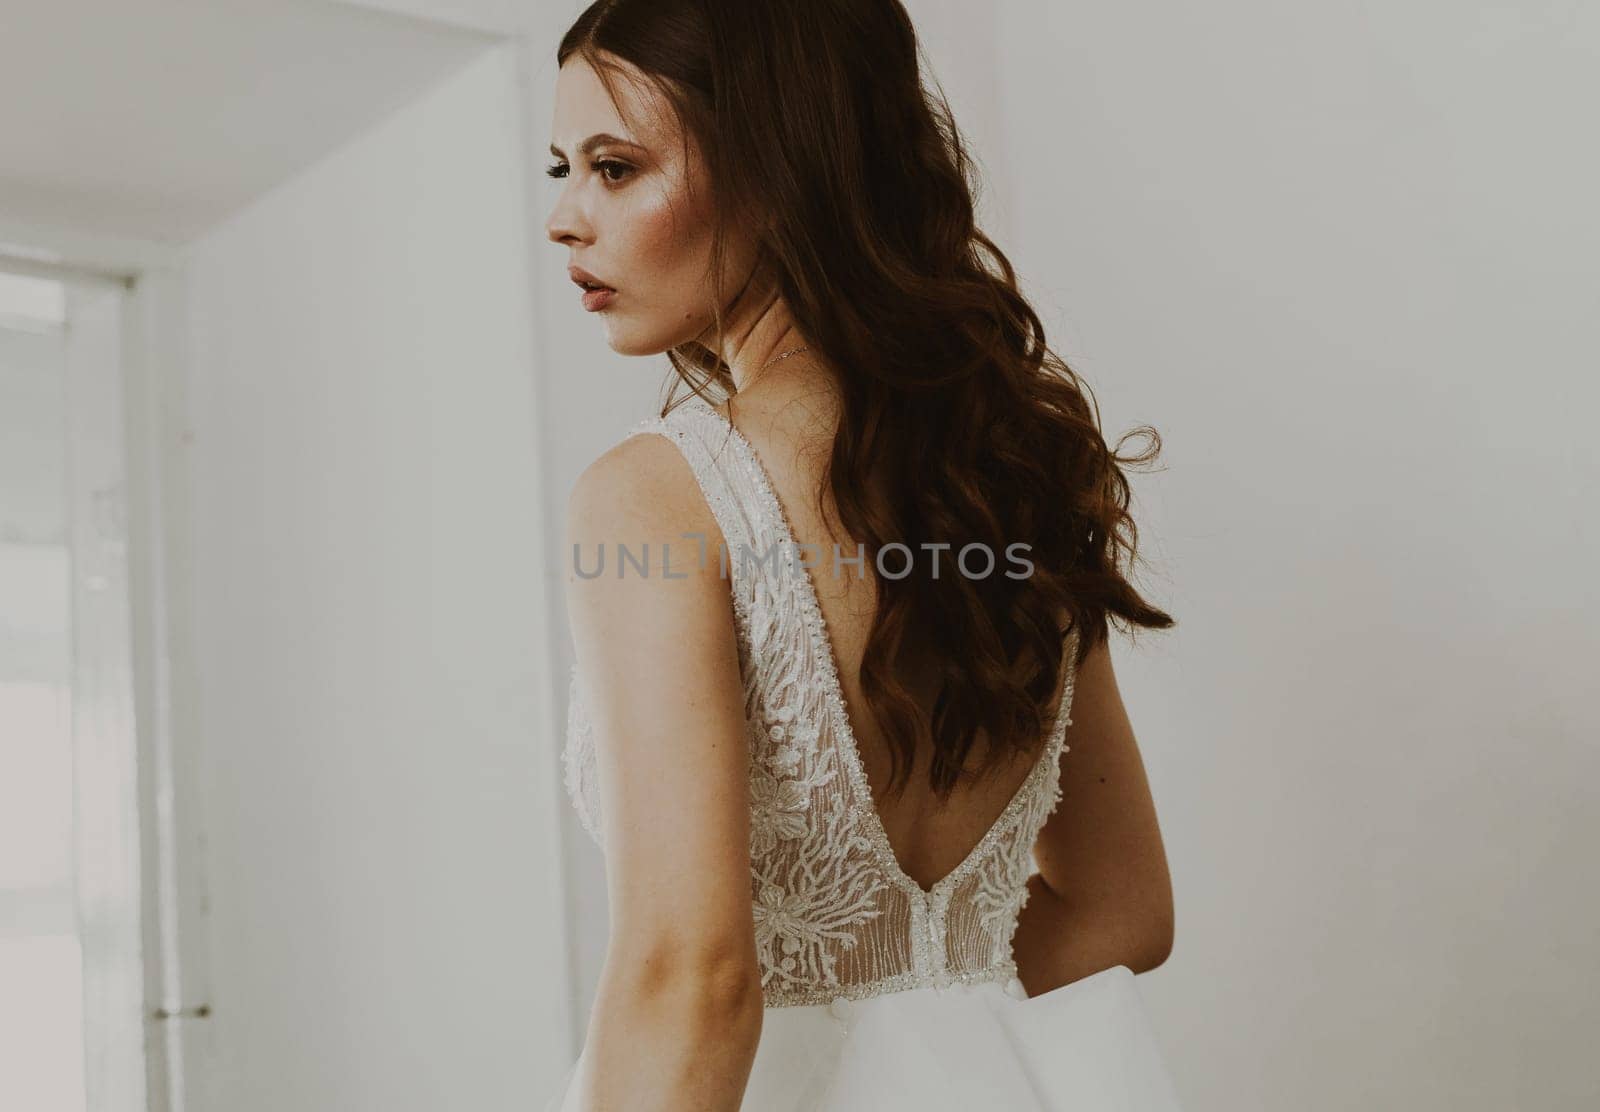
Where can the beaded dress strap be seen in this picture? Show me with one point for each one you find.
(702, 440)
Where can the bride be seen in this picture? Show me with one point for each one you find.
(842, 712)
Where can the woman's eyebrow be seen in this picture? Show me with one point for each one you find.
(588, 145)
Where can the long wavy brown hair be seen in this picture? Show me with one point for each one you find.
(958, 424)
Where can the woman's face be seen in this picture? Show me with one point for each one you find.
(633, 212)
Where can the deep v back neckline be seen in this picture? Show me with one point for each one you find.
(870, 822)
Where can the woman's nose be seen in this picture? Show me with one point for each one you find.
(565, 224)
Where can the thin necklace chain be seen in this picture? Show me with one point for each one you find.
(783, 355)
(774, 359)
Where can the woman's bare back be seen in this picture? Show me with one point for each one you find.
(791, 427)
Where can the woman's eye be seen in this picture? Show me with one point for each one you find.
(608, 168)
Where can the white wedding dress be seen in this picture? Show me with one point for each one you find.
(880, 996)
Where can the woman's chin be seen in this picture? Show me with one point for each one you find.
(626, 340)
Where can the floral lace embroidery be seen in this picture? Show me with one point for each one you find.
(782, 781)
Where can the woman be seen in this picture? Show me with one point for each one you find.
(832, 610)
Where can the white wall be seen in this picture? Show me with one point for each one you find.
(365, 626)
(1342, 257)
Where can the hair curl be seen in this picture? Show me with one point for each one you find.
(958, 424)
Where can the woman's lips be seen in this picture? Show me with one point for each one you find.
(597, 299)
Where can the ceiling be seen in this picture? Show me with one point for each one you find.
(154, 119)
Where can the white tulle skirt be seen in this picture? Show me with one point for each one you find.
(1085, 1047)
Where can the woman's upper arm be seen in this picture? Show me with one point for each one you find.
(1101, 849)
(659, 666)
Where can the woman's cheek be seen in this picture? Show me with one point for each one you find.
(653, 229)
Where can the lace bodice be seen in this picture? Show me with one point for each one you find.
(835, 915)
